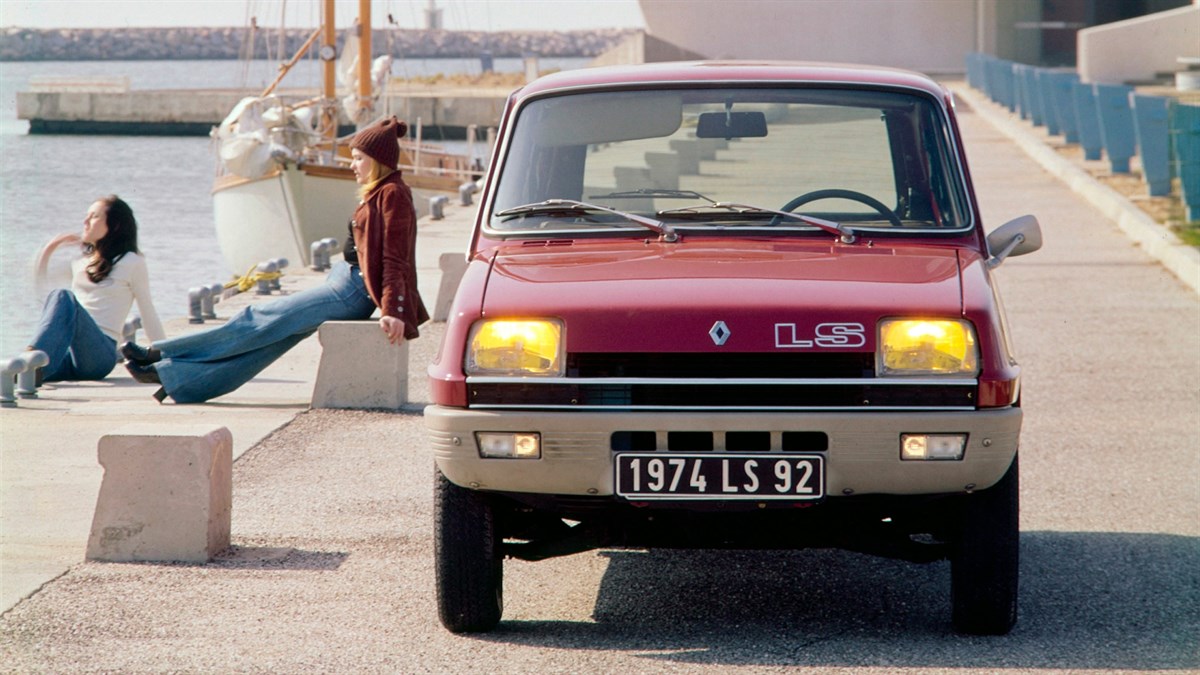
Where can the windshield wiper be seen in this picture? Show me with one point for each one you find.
(665, 231)
(844, 233)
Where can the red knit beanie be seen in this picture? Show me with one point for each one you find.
(379, 141)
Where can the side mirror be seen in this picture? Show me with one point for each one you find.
(1018, 236)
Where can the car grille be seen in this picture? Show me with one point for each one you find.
(838, 381)
(852, 365)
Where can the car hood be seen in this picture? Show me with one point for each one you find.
(705, 296)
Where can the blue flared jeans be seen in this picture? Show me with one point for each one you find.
(200, 366)
(77, 348)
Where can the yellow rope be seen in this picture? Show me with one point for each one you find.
(251, 278)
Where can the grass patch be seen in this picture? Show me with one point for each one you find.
(1188, 233)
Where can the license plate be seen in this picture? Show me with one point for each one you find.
(723, 475)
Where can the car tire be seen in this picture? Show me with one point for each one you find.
(469, 565)
(984, 564)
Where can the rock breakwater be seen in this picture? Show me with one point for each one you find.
(146, 44)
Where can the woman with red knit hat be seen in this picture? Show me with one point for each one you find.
(379, 271)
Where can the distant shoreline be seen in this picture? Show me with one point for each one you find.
(164, 44)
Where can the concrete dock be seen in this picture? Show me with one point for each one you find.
(332, 568)
(444, 111)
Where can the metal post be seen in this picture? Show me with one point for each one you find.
(280, 263)
(265, 267)
(129, 333)
(317, 253)
(196, 303)
(27, 380)
(206, 303)
(8, 397)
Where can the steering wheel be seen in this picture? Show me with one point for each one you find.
(841, 194)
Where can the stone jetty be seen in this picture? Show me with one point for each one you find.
(26, 44)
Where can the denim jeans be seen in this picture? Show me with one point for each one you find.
(207, 364)
(77, 348)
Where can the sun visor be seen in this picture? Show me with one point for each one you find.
(601, 118)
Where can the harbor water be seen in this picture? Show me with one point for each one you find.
(47, 182)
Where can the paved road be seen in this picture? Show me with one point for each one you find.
(332, 521)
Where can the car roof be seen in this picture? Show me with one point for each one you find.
(699, 72)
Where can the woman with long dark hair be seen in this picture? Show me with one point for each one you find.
(80, 328)
(379, 271)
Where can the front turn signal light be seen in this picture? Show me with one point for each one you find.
(516, 347)
(926, 347)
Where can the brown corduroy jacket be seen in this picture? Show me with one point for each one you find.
(385, 234)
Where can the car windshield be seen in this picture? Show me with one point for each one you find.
(722, 159)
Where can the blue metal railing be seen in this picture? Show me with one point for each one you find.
(1109, 121)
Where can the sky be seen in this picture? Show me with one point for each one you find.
(474, 15)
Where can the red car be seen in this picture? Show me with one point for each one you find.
(720, 305)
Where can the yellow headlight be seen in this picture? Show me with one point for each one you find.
(926, 347)
(515, 347)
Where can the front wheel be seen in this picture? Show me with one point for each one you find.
(985, 561)
(468, 560)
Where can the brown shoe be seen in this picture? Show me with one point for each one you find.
(137, 354)
(143, 372)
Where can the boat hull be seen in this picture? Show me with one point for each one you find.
(281, 214)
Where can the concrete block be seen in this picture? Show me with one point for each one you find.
(165, 496)
(664, 169)
(453, 265)
(360, 368)
(689, 156)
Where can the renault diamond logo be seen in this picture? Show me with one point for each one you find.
(719, 333)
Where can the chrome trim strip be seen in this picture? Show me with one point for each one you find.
(857, 409)
(757, 381)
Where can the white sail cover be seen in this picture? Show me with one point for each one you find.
(261, 133)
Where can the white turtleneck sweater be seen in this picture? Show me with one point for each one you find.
(109, 301)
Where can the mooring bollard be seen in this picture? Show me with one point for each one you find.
(27, 384)
(215, 290)
(265, 267)
(437, 206)
(464, 193)
(129, 332)
(331, 246)
(196, 299)
(206, 303)
(8, 375)
(318, 253)
(280, 263)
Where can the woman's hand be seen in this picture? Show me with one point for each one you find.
(393, 327)
(43, 259)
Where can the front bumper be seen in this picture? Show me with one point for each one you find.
(863, 454)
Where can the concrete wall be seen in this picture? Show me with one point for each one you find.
(180, 112)
(643, 48)
(932, 36)
(1137, 49)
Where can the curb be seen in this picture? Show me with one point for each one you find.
(1160, 243)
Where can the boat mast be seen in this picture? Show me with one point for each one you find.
(328, 71)
(364, 64)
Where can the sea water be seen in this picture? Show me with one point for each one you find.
(47, 182)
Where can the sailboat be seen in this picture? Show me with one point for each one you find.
(283, 177)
